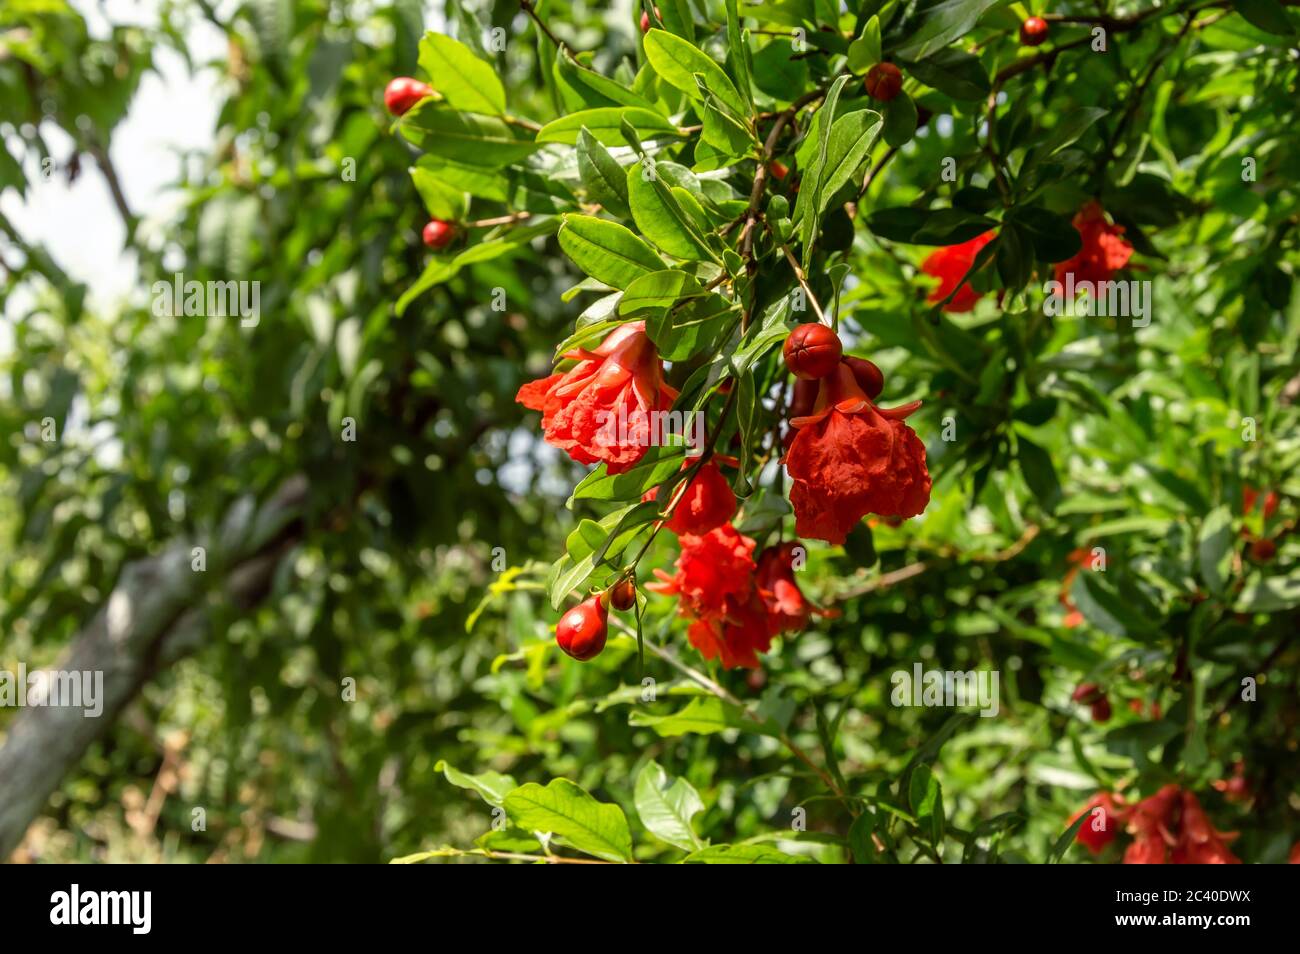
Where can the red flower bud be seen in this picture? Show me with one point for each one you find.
(645, 19)
(1033, 31)
(883, 82)
(622, 595)
(778, 169)
(582, 630)
(812, 351)
(404, 92)
(867, 375)
(438, 234)
(1262, 550)
(1101, 710)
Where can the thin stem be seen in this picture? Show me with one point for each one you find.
(798, 274)
(527, 6)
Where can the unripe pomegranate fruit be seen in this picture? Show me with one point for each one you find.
(883, 81)
(622, 595)
(1033, 31)
(812, 351)
(404, 92)
(437, 234)
(867, 375)
(778, 169)
(582, 630)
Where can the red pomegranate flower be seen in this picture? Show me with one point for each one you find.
(1100, 830)
(707, 503)
(950, 265)
(1250, 496)
(1171, 828)
(850, 458)
(1103, 253)
(714, 585)
(787, 608)
(600, 409)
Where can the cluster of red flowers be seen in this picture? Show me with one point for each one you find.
(735, 603)
(1169, 827)
(846, 458)
(1104, 252)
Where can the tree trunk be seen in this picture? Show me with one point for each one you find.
(154, 616)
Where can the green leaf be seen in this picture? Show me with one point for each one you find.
(860, 841)
(1104, 607)
(666, 809)
(601, 85)
(1269, 15)
(702, 716)
(465, 81)
(900, 119)
(493, 786)
(777, 73)
(1053, 237)
(657, 465)
(865, 52)
(442, 201)
(940, 24)
(567, 811)
(465, 138)
(607, 251)
(660, 217)
(604, 124)
(928, 226)
(602, 176)
(851, 139)
(1069, 129)
(806, 208)
(953, 72)
(678, 61)
(1067, 838)
(926, 799)
(659, 291)
(693, 326)
(738, 52)
(1270, 595)
(745, 855)
(1214, 549)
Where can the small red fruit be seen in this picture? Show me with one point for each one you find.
(1088, 693)
(645, 19)
(622, 595)
(1033, 31)
(867, 375)
(404, 92)
(883, 82)
(582, 630)
(437, 234)
(812, 351)
(1101, 710)
(778, 169)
